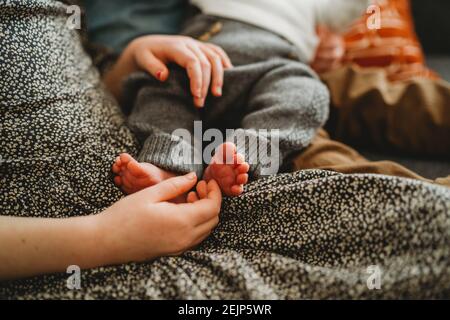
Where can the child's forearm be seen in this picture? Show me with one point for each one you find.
(154, 228)
(31, 246)
(123, 67)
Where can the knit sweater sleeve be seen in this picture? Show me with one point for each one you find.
(339, 14)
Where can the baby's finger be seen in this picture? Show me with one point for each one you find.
(217, 71)
(202, 189)
(226, 62)
(184, 57)
(192, 197)
(148, 62)
(195, 75)
(206, 73)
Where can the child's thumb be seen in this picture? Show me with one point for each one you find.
(171, 188)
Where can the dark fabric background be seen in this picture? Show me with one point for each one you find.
(432, 18)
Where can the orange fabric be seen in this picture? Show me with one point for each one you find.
(394, 46)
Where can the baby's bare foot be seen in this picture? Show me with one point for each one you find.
(132, 176)
(229, 169)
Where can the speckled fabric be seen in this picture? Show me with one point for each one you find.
(59, 129)
(310, 234)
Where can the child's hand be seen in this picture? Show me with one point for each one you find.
(204, 63)
(145, 225)
(330, 51)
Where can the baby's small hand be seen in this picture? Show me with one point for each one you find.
(204, 62)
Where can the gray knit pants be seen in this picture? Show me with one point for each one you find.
(275, 103)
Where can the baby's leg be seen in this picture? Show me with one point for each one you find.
(157, 111)
(288, 102)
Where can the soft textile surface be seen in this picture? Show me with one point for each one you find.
(59, 130)
(393, 45)
(311, 234)
(327, 154)
(432, 25)
(411, 117)
(121, 21)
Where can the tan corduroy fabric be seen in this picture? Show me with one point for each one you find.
(368, 110)
(326, 154)
(411, 116)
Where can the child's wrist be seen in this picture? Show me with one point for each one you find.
(98, 253)
(123, 66)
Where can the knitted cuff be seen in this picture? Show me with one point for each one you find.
(171, 153)
(260, 150)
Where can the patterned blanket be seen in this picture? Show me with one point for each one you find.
(309, 234)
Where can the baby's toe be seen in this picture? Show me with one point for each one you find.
(136, 169)
(227, 181)
(243, 168)
(126, 183)
(239, 159)
(127, 190)
(136, 182)
(236, 190)
(125, 158)
(220, 171)
(127, 187)
(225, 153)
(242, 178)
(118, 181)
(115, 168)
